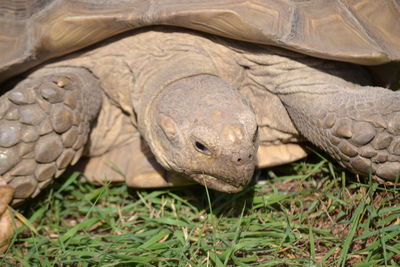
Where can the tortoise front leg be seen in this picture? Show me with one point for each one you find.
(359, 126)
(44, 124)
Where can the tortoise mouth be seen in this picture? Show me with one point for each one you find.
(218, 183)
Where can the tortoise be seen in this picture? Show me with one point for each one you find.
(163, 93)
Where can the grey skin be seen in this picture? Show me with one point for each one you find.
(204, 128)
(189, 125)
(198, 113)
(188, 102)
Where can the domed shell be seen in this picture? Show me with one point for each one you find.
(358, 31)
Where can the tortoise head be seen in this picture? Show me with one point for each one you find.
(202, 127)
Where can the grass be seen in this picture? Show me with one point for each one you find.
(309, 213)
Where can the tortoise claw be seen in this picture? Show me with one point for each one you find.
(7, 226)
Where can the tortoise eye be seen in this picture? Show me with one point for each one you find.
(201, 148)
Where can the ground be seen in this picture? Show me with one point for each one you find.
(309, 213)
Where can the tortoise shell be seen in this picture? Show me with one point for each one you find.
(358, 31)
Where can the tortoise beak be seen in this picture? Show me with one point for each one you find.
(223, 184)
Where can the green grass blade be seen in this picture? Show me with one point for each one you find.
(349, 239)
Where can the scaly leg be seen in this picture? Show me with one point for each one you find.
(359, 126)
(44, 124)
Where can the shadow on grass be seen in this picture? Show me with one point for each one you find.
(218, 203)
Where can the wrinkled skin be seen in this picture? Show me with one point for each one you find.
(190, 113)
(192, 130)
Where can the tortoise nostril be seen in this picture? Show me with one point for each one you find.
(243, 158)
